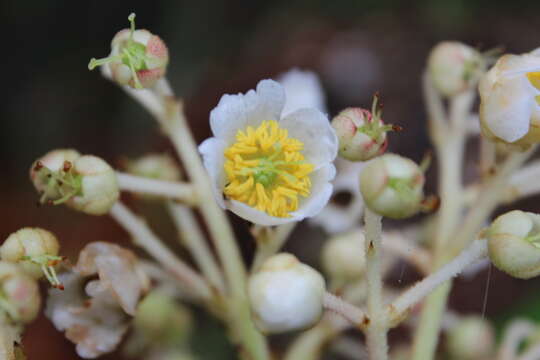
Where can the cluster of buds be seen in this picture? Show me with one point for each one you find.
(138, 58)
(84, 182)
(392, 186)
(362, 133)
(285, 295)
(514, 243)
(19, 294)
(454, 67)
(36, 251)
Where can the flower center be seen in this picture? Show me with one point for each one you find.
(266, 170)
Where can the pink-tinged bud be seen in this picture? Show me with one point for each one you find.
(361, 133)
(138, 58)
(19, 293)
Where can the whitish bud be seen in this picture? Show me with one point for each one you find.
(36, 250)
(285, 295)
(472, 338)
(155, 166)
(514, 243)
(454, 67)
(361, 133)
(138, 58)
(343, 256)
(392, 186)
(19, 293)
(43, 170)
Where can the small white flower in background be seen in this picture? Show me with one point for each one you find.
(267, 168)
(510, 100)
(138, 58)
(302, 90)
(95, 314)
(285, 294)
(343, 256)
(342, 214)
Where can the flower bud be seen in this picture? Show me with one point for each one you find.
(392, 186)
(155, 166)
(514, 244)
(343, 256)
(472, 338)
(454, 67)
(285, 294)
(361, 133)
(19, 293)
(138, 58)
(36, 250)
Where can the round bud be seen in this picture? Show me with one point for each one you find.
(454, 67)
(19, 293)
(392, 186)
(472, 338)
(156, 166)
(285, 294)
(361, 134)
(99, 187)
(343, 256)
(514, 244)
(54, 161)
(30, 243)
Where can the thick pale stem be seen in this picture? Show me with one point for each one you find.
(476, 251)
(348, 311)
(145, 238)
(169, 189)
(309, 345)
(376, 331)
(193, 238)
(272, 244)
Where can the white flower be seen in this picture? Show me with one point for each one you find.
(510, 99)
(302, 90)
(267, 168)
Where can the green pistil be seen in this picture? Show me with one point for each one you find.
(65, 182)
(403, 188)
(375, 128)
(266, 171)
(47, 263)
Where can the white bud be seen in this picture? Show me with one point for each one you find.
(343, 256)
(32, 248)
(514, 244)
(19, 293)
(54, 161)
(472, 338)
(454, 67)
(285, 295)
(392, 186)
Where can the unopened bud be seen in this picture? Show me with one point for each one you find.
(36, 250)
(392, 186)
(514, 244)
(155, 166)
(361, 133)
(343, 256)
(19, 293)
(138, 58)
(472, 338)
(454, 67)
(285, 295)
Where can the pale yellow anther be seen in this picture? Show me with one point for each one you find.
(266, 170)
(534, 78)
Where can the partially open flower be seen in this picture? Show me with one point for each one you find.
(268, 169)
(19, 294)
(454, 67)
(472, 338)
(94, 313)
(285, 295)
(361, 133)
(510, 100)
(514, 244)
(302, 90)
(36, 250)
(138, 58)
(392, 186)
(343, 256)
(85, 183)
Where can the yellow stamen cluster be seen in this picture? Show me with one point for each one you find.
(534, 78)
(266, 170)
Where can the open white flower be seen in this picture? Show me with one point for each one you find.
(510, 100)
(268, 169)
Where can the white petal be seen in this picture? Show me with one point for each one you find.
(213, 150)
(536, 52)
(302, 90)
(507, 111)
(512, 65)
(312, 128)
(255, 216)
(320, 192)
(236, 112)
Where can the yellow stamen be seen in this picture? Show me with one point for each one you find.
(534, 78)
(266, 170)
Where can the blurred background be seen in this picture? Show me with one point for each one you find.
(51, 100)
